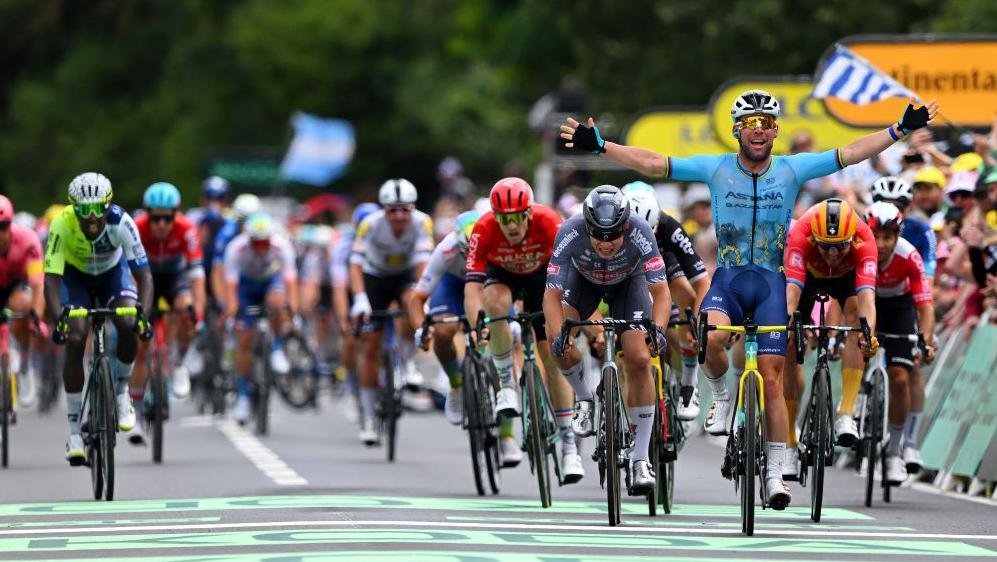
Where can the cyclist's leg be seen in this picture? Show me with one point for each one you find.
(381, 293)
(852, 366)
(497, 299)
(720, 307)
(117, 289)
(75, 293)
(24, 387)
(633, 302)
(793, 383)
(911, 454)
(250, 292)
(278, 316)
(447, 300)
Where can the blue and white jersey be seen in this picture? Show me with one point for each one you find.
(751, 212)
(919, 234)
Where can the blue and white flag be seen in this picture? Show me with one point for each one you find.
(850, 77)
(320, 151)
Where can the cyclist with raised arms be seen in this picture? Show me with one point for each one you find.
(903, 306)
(260, 270)
(93, 251)
(752, 195)
(830, 250)
(175, 257)
(391, 249)
(918, 232)
(607, 253)
(688, 283)
(506, 256)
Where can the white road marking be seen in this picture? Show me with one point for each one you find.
(492, 526)
(262, 457)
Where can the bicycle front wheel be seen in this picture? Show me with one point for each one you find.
(819, 442)
(263, 383)
(611, 412)
(535, 433)
(749, 456)
(6, 405)
(158, 386)
(109, 425)
(390, 404)
(473, 422)
(486, 395)
(874, 435)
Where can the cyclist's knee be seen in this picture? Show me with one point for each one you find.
(716, 341)
(899, 378)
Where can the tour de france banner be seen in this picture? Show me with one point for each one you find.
(799, 112)
(960, 71)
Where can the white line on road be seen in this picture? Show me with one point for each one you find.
(263, 458)
(492, 526)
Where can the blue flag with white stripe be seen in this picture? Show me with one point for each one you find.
(320, 151)
(850, 77)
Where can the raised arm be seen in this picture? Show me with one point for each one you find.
(587, 137)
(874, 143)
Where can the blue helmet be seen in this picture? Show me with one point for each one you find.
(161, 195)
(362, 210)
(214, 187)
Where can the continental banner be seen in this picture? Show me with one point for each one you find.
(960, 71)
(800, 112)
(672, 131)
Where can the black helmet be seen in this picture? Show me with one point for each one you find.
(606, 211)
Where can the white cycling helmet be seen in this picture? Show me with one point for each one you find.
(245, 205)
(91, 187)
(643, 203)
(754, 102)
(883, 215)
(891, 188)
(397, 192)
(259, 226)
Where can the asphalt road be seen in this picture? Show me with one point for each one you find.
(310, 491)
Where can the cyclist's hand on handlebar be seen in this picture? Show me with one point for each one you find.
(660, 340)
(422, 337)
(561, 343)
(361, 306)
(929, 350)
(868, 348)
(142, 326)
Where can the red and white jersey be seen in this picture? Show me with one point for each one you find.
(904, 273)
(488, 245)
(180, 251)
(23, 259)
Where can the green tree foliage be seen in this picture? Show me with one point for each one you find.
(145, 89)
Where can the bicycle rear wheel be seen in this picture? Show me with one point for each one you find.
(819, 443)
(613, 443)
(874, 427)
(535, 433)
(655, 454)
(158, 386)
(299, 387)
(108, 425)
(473, 422)
(390, 404)
(6, 404)
(748, 455)
(486, 395)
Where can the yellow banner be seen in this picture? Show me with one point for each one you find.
(800, 112)
(960, 73)
(674, 132)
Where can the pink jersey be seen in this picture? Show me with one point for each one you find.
(904, 273)
(23, 258)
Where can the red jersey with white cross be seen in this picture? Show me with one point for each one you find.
(904, 273)
(488, 245)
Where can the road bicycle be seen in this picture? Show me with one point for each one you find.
(540, 432)
(816, 445)
(478, 385)
(745, 458)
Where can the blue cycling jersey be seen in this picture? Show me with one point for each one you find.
(226, 234)
(920, 235)
(751, 212)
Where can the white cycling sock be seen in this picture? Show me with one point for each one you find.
(719, 386)
(74, 408)
(503, 366)
(575, 376)
(896, 440)
(910, 429)
(776, 453)
(690, 367)
(568, 445)
(643, 418)
(368, 402)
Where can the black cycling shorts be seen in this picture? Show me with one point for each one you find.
(897, 315)
(529, 288)
(838, 288)
(627, 300)
(382, 291)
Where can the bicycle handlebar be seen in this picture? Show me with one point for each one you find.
(705, 328)
(799, 329)
(101, 312)
(429, 321)
(377, 315)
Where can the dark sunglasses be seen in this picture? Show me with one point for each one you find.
(161, 218)
(398, 210)
(838, 246)
(4, 225)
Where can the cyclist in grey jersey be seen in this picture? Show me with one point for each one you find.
(753, 194)
(607, 253)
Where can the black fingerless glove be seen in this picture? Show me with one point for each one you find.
(588, 139)
(913, 119)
